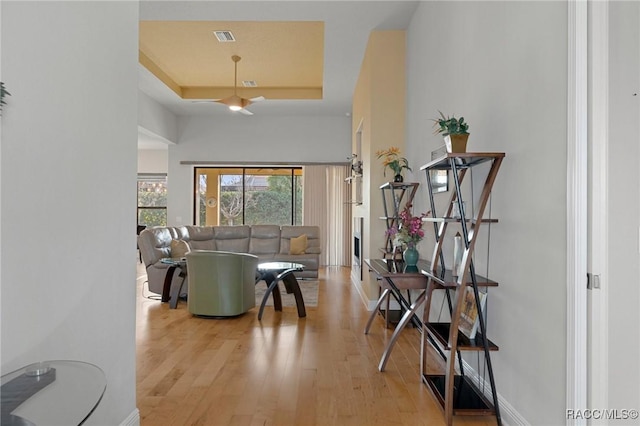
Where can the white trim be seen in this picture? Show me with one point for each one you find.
(576, 355)
(508, 414)
(369, 304)
(132, 419)
(598, 233)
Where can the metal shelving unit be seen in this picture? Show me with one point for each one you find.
(456, 392)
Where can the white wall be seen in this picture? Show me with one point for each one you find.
(502, 65)
(624, 206)
(153, 160)
(68, 190)
(156, 119)
(287, 140)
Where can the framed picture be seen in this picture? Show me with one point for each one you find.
(469, 320)
(439, 178)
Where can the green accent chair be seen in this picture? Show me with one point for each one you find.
(221, 284)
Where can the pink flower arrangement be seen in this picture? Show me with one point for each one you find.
(409, 232)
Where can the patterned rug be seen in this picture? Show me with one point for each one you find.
(308, 288)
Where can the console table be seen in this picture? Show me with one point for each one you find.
(52, 393)
(394, 277)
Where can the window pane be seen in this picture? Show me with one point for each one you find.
(152, 200)
(297, 213)
(231, 199)
(268, 197)
(152, 217)
(201, 202)
(252, 196)
(152, 192)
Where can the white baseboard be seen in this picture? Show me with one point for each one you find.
(510, 416)
(370, 304)
(132, 419)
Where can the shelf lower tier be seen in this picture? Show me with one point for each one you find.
(467, 398)
(448, 280)
(440, 331)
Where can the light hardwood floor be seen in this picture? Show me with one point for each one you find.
(283, 370)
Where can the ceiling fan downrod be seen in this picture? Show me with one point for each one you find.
(235, 106)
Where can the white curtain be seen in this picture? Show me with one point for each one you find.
(326, 204)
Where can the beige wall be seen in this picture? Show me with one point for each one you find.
(379, 106)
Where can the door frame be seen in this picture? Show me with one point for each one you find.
(577, 166)
(598, 233)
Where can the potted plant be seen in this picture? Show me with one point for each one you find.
(454, 130)
(391, 159)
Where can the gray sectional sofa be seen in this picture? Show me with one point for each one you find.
(268, 242)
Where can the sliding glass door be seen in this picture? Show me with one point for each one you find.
(251, 196)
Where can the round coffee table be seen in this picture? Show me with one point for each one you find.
(272, 273)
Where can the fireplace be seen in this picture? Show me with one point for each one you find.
(356, 264)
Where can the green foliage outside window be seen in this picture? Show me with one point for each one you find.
(152, 202)
(261, 205)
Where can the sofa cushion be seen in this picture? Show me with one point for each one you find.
(179, 248)
(290, 231)
(201, 238)
(154, 243)
(179, 232)
(232, 238)
(297, 245)
(265, 240)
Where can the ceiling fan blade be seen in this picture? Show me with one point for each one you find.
(245, 112)
(258, 99)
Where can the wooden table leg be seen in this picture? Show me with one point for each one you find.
(292, 286)
(275, 293)
(175, 297)
(166, 288)
(272, 288)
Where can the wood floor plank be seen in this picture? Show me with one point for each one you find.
(320, 370)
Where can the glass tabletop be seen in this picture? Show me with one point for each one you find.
(176, 261)
(280, 266)
(391, 267)
(52, 393)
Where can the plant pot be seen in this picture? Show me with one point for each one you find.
(398, 178)
(456, 143)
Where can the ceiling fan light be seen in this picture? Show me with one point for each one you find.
(234, 103)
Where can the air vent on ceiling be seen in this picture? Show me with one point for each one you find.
(224, 36)
(249, 83)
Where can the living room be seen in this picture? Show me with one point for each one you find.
(72, 121)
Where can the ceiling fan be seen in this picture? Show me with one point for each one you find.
(235, 102)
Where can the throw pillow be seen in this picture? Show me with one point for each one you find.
(298, 245)
(179, 248)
